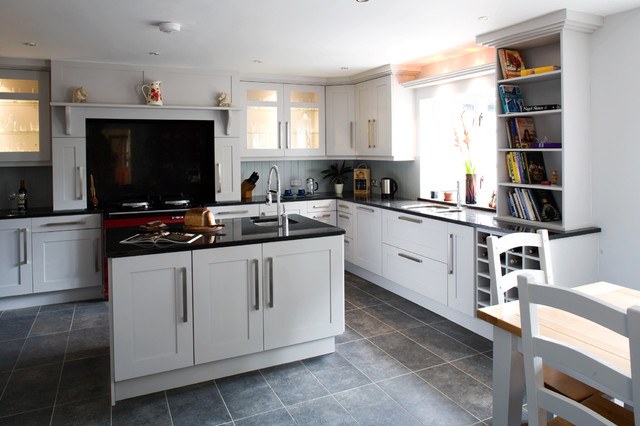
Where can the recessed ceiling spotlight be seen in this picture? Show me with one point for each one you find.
(154, 53)
(483, 18)
(344, 68)
(257, 61)
(169, 27)
(30, 43)
(362, 1)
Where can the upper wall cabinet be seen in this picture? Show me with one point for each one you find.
(341, 121)
(284, 120)
(561, 39)
(385, 120)
(25, 129)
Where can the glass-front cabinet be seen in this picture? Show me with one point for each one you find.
(25, 130)
(284, 120)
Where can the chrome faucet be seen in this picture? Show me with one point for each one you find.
(457, 190)
(270, 193)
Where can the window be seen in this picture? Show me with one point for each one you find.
(458, 135)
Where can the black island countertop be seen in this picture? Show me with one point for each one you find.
(241, 231)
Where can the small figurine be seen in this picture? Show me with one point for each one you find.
(79, 96)
(223, 100)
(554, 178)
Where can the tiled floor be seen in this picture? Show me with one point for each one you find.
(396, 364)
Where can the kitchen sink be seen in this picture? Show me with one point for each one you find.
(431, 208)
(270, 221)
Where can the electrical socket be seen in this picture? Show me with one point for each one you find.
(374, 182)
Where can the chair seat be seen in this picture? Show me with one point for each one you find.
(566, 385)
(606, 408)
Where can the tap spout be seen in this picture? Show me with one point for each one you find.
(270, 192)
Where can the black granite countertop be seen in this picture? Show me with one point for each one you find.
(42, 212)
(240, 231)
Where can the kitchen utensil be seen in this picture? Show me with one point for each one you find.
(301, 192)
(312, 186)
(388, 187)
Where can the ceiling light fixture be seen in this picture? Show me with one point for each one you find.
(362, 1)
(154, 53)
(30, 44)
(257, 61)
(169, 27)
(483, 18)
(344, 68)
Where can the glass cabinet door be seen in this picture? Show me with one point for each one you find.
(24, 116)
(264, 119)
(304, 109)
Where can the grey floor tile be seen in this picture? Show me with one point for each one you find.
(4, 378)
(30, 389)
(32, 418)
(461, 388)
(9, 353)
(87, 342)
(247, 394)
(371, 406)
(478, 366)
(424, 402)
(349, 335)
(416, 311)
(58, 306)
(461, 334)
(335, 372)
(84, 379)
(151, 410)
(371, 360)
(440, 344)
(359, 298)
(393, 317)
(357, 281)
(199, 404)
(16, 323)
(349, 306)
(406, 351)
(322, 411)
(52, 321)
(364, 324)
(39, 350)
(294, 383)
(271, 418)
(96, 411)
(89, 315)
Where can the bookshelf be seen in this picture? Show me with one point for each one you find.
(560, 38)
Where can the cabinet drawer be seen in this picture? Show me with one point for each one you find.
(65, 223)
(344, 206)
(426, 237)
(292, 207)
(326, 217)
(230, 212)
(417, 273)
(321, 205)
(345, 221)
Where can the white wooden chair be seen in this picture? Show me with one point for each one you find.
(500, 284)
(538, 349)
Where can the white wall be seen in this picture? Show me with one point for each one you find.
(615, 64)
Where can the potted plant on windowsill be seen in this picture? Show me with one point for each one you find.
(337, 175)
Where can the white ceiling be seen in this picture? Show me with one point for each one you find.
(303, 37)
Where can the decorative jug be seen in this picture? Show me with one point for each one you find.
(153, 94)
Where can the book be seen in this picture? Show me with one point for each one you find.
(538, 70)
(535, 207)
(526, 131)
(546, 107)
(547, 205)
(542, 144)
(535, 167)
(162, 237)
(511, 98)
(515, 139)
(511, 62)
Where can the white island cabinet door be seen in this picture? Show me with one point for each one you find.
(15, 261)
(461, 271)
(303, 290)
(227, 302)
(151, 314)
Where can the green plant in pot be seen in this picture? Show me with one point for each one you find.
(337, 175)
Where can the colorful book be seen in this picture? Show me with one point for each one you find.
(515, 139)
(548, 208)
(526, 131)
(511, 98)
(540, 144)
(535, 167)
(538, 70)
(546, 107)
(511, 62)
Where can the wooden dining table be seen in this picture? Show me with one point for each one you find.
(508, 370)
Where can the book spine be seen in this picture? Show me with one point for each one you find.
(516, 197)
(527, 200)
(538, 70)
(534, 206)
(512, 207)
(514, 133)
(508, 128)
(530, 108)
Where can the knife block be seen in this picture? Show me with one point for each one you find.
(246, 190)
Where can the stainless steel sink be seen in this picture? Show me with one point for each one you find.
(270, 221)
(431, 208)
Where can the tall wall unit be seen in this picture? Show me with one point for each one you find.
(560, 38)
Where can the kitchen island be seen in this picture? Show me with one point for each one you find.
(250, 296)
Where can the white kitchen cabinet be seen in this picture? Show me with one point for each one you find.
(345, 220)
(341, 121)
(227, 302)
(385, 121)
(234, 211)
(15, 262)
(461, 271)
(66, 252)
(367, 251)
(227, 170)
(284, 120)
(69, 173)
(292, 207)
(417, 234)
(152, 314)
(303, 290)
(322, 211)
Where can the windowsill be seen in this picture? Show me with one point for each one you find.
(454, 204)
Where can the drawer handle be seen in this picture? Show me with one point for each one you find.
(410, 219)
(185, 305)
(25, 247)
(80, 172)
(256, 284)
(270, 262)
(406, 256)
(346, 242)
(219, 167)
(344, 206)
(366, 209)
(320, 216)
(344, 216)
(77, 222)
(326, 206)
(232, 212)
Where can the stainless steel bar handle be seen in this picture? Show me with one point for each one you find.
(406, 256)
(351, 134)
(219, 168)
(25, 246)
(77, 222)
(279, 134)
(344, 216)
(346, 241)
(232, 212)
(270, 261)
(366, 209)
(410, 219)
(369, 133)
(185, 304)
(320, 216)
(452, 241)
(80, 171)
(256, 284)
(287, 135)
(343, 206)
(373, 132)
(326, 206)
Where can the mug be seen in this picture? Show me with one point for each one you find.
(154, 95)
(288, 193)
(301, 192)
